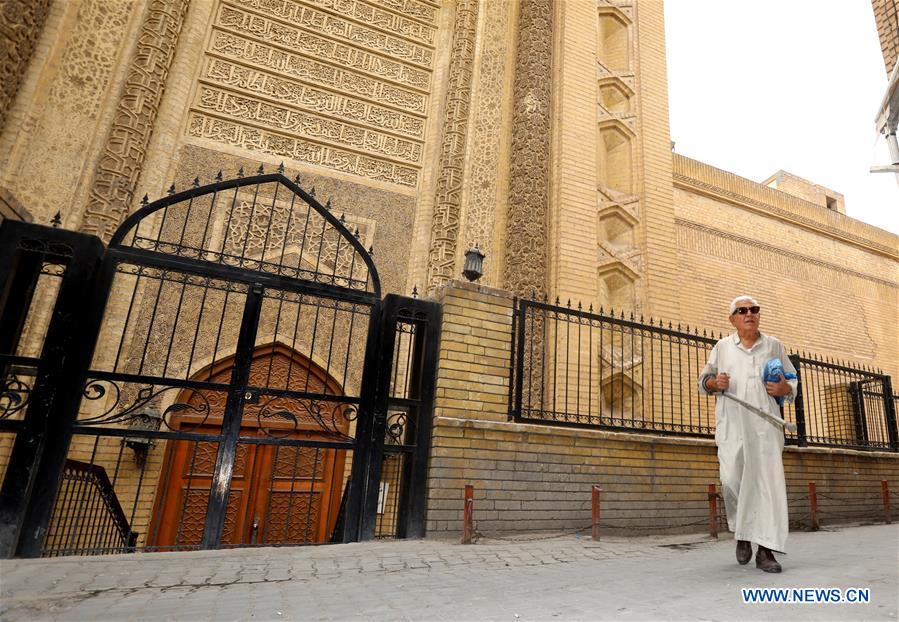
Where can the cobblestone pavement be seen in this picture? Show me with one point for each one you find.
(565, 578)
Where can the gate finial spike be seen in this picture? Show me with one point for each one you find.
(172, 188)
(579, 307)
(632, 316)
(533, 294)
(281, 168)
(312, 191)
(218, 176)
(260, 170)
(356, 233)
(240, 172)
(197, 181)
(371, 250)
(56, 220)
(343, 219)
(415, 291)
(591, 307)
(145, 201)
(296, 179)
(569, 303)
(602, 311)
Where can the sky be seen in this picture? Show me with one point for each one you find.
(759, 86)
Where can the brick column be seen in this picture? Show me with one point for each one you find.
(473, 369)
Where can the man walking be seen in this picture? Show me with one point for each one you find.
(749, 446)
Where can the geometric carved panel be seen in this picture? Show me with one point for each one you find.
(343, 85)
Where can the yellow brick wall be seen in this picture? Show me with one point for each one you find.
(473, 366)
(886, 15)
(827, 283)
(535, 477)
(539, 478)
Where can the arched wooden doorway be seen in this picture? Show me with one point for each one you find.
(280, 493)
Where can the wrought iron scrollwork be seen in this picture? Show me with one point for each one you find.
(14, 395)
(395, 431)
(145, 397)
(281, 409)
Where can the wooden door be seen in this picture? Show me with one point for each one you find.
(282, 492)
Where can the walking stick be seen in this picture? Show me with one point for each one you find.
(790, 427)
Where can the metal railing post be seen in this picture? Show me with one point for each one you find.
(467, 515)
(889, 405)
(713, 511)
(813, 505)
(799, 403)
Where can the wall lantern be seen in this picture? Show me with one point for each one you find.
(147, 421)
(474, 264)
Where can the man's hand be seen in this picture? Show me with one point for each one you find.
(721, 382)
(778, 389)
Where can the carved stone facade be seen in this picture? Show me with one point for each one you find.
(529, 184)
(445, 225)
(488, 186)
(115, 178)
(341, 85)
(20, 26)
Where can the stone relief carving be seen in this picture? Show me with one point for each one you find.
(262, 56)
(261, 141)
(249, 25)
(292, 11)
(480, 215)
(257, 230)
(90, 56)
(318, 22)
(350, 83)
(445, 226)
(117, 172)
(526, 262)
(21, 22)
(313, 99)
(307, 125)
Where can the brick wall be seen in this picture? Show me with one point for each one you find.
(536, 478)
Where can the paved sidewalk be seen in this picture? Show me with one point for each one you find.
(566, 578)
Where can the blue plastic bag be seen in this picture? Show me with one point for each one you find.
(774, 369)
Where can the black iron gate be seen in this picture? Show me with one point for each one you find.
(232, 389)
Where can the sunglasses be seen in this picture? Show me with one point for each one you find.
(744, 310)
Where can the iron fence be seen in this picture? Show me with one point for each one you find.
(842, 404)
(87, 518)
(576, 367)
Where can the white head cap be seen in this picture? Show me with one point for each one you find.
(733, 303)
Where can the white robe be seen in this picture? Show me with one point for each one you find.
(749, 447)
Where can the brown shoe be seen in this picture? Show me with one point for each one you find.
(744, 552)
(764, 559)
